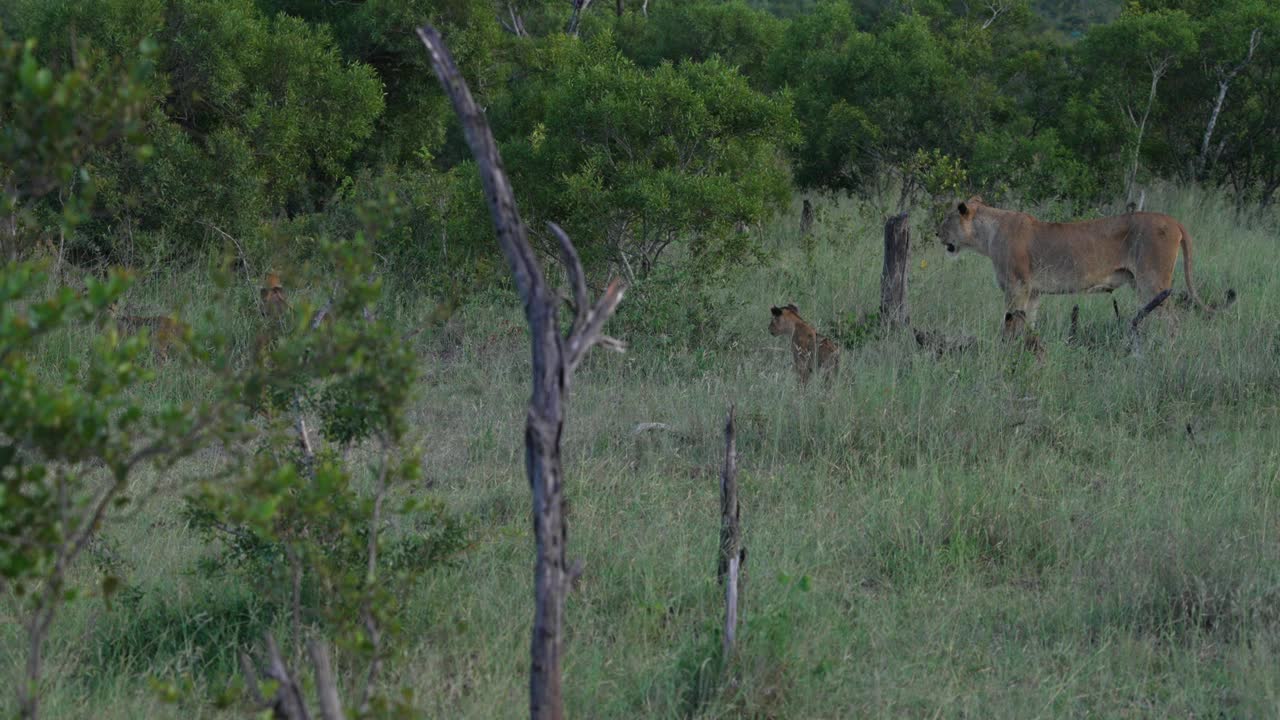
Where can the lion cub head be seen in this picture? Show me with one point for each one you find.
(956, 232)
(274, 302)
(784, 320)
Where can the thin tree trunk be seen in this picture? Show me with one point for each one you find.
(554, 360)
(579, 7)
(1224, 84)
(1158, 69)
(806, 217)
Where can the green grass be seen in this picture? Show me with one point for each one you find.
(981, 535)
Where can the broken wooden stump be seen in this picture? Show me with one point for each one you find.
(893, 277)
(732, 554)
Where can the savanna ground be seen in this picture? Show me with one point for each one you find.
(979, 535)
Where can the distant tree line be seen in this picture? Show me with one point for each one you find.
(642, 127)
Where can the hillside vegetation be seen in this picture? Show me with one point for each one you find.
(980, 534)
(265, 375)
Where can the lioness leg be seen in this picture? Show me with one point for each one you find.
(1017, 312)
(1033, 305)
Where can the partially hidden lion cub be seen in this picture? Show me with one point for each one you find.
(165, 332)
(275, 305)
(1034, 258)
(804, 342)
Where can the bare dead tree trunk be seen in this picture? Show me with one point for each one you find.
(579, 7)
(644, 8)
(1158, 69)
(288, 703)
(326, 686)
(555, 358)
(893, 278)
(515, 26)
(1225, 78)
(731, 551)
(806, 217)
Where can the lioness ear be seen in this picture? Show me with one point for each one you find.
(775, 310)
(963, 208)
(793, 308)
(976, 200)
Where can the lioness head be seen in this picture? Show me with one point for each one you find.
(956, 231)
(784, 320)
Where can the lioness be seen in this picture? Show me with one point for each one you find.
(1034, 258)
(804, 340)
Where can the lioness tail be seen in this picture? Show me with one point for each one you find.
(1186, 269)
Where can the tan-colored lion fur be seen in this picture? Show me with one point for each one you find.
(1034, 258)
(804, 340)
(164, 332)
(275, 312)
(274, 302)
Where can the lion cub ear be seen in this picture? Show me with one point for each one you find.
(976, 200)
(775, 310)
(792, 308)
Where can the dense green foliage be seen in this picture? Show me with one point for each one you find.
(272, 121)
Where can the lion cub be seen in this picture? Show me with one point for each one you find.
(804, 341)
(166, 332)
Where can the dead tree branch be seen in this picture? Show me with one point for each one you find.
(1150, 307)
(554, 359)
(1135, 340)
(996, 9)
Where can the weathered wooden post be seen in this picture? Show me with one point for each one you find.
(555, 358)
(806, 217)
(731, 551)
(893, 278)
